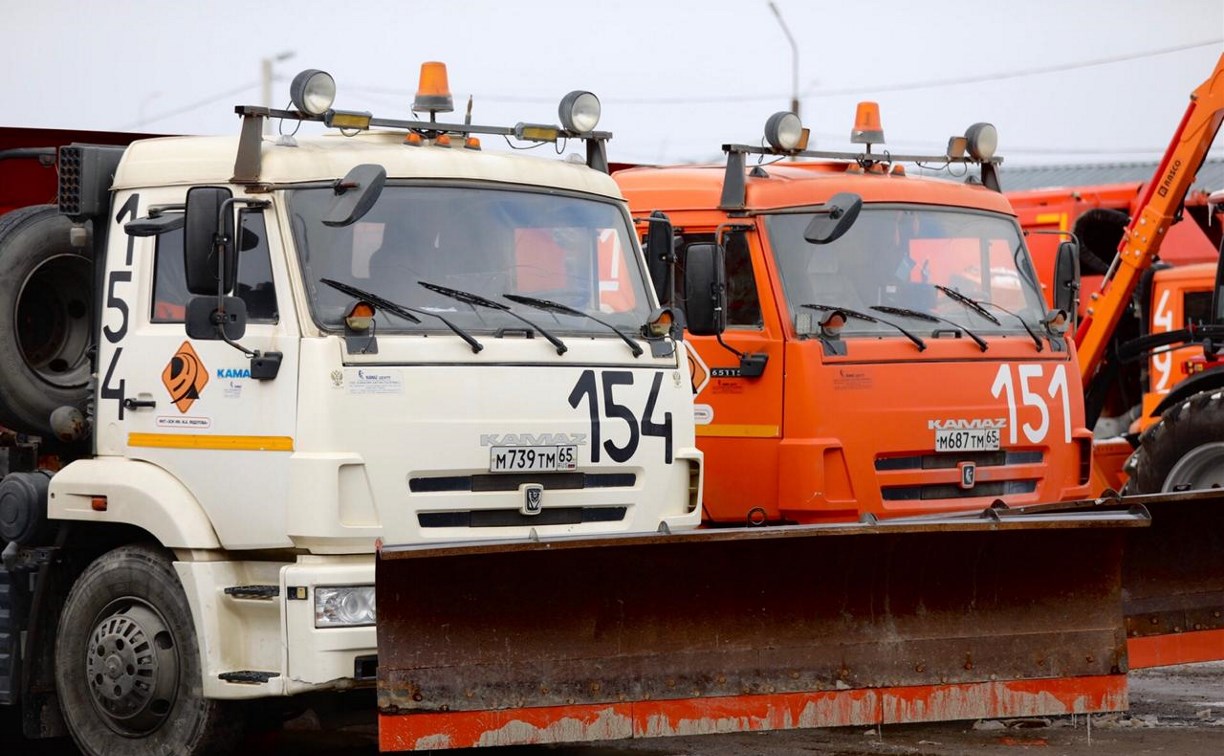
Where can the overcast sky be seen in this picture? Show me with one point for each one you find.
(1063, 80)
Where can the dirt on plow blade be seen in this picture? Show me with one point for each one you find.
(751, 629)
(1172, 575)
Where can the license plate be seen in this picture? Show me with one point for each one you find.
(532, 458)
(986, 439)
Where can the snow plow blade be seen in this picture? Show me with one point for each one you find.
(1172, 575)
(997, 615)
(1173, 582)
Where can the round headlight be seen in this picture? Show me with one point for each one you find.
(313, 91)
(579, 112)
(983, 140)
(783, 131)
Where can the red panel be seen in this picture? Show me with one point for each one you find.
(699, 716)
(1178, 648)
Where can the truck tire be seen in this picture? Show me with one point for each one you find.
(1182, 452)
(45, 291)
(127, 666)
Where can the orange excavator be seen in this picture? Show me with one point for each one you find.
(1174, 573)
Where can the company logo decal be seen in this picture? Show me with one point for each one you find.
(533, 498)
(185, 377)
(961, 424)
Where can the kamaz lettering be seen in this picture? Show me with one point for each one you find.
(533, 439)
(975, 424)
(233, 373)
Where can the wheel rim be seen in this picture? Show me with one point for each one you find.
(131, 667)
(53, 321)
(1202, 468)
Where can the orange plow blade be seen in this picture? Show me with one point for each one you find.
(734, 630)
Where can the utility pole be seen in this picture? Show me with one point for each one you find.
(794, 58)
(266, 77)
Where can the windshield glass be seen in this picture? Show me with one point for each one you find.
(483, 241)
(898, 256)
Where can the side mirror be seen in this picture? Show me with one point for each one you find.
(833, 218)
(200, 250)
(356, 193)
(1067, 278)
(659, 254)
(204, 314)
(705, 285)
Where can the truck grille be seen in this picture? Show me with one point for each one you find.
(949, 461)
(510, 518)
(503, 482)
(953, 491)
(934, 491)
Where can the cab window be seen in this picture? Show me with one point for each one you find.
(254, 286)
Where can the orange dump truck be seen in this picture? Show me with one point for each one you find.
(908, 366)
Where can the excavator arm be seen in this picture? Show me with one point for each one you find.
(1158, 208)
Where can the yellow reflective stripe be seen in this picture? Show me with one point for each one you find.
(747, 431)
(209, 441)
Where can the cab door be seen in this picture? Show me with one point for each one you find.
(190, 406)
(739, 416)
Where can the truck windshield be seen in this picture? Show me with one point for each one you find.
(900, 257)
(490, 242)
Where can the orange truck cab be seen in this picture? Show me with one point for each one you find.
(874, 343)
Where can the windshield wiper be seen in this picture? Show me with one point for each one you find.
(870, 319)
(550, 306)
(906, 312)
(969, 302)
(404, 312)
(980, 308)
(475, 300)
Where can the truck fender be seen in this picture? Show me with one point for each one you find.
(1195, 384)
(136, 493)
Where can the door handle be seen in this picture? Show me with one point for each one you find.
(133, 404)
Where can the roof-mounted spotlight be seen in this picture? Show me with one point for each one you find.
(313, 92)
(785, 133)
(579, 112)
(982, 140)
(433, 92)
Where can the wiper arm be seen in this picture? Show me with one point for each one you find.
(476, 300)
(550, 306)
(404, 312)
(870, 319)
(969, 302)
(980, 308)
(906, 312)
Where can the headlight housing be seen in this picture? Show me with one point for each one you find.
(784, 132)
(579, 112)
(344, 606)
(313, 91)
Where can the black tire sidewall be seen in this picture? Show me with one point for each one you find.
(28, 238)
(1197, 421)
(194, 724)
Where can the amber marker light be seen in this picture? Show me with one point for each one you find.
(660, 323)
(433, 92)
(360, 318)
(867, 127)
(832, 326)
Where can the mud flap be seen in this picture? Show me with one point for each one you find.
(734, 630)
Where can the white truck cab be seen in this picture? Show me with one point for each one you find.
(309, 344)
